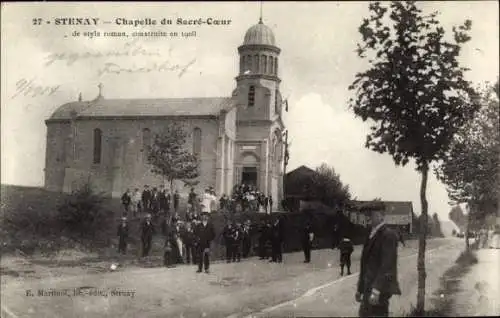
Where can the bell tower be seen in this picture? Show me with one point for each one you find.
(259, 126)
(257, 84)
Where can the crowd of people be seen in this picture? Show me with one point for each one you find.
(158, 201)
(187, 239)
(154, 201)
(246, 198)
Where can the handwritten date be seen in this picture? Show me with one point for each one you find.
(30, 89)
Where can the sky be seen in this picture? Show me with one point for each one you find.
(316, 65)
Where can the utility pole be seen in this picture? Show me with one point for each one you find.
(285, 163)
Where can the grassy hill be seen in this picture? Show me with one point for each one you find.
(29, 223)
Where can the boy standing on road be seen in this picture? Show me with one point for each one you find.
(346, 248)
(123, 236)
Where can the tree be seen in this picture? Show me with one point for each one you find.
(83, 212)
(414, 93)
(470, 170)
(327, 187)
(169, 158)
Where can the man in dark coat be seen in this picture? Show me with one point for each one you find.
(346, 248)
(277, 241)
(147, 235)
(192, 200)
(236, 240)
(126, 199)
(378, 278)
(307, 239)
(177, 198)
(264, 237)
(146, 199)
(154, 203)
(227, 235)
(162, 199)
(205, 233)
(246, 237)
(123, 236)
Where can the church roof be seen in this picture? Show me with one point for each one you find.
(259, 34)
(201, 106)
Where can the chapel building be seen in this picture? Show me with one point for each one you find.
(239, 139)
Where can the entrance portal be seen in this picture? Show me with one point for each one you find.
(249, 176)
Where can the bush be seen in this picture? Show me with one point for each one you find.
(83, 213)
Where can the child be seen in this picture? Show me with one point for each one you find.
(346, 248)
(167, 255)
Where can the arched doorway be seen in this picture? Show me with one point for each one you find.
(250, 171)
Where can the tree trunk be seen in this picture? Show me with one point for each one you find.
(421, 243)
(171, 203)
(467, 224)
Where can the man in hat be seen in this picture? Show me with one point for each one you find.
(192, 199)
(277, 240)
(146, 199)
(378, 277)
(246, 236)
(205, 233)
(227, 235)
(162, 200)
(177, 198)
(147, 235)
(236, 240)
(126, 200)
(123, 236)
(307, 239)
(346, 248)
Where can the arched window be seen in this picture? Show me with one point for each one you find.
(276, 66)
(251, 96)
(264, 67)
(97, 146)
(146, 142)
(197, 141)
(271, 65)
(248, 66)
(276, 101)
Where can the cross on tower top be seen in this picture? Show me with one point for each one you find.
(260, 18)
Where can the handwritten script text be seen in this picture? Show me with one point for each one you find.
(130, 49)
(166, 66)
(30, 89)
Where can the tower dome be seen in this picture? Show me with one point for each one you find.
(259, 34)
